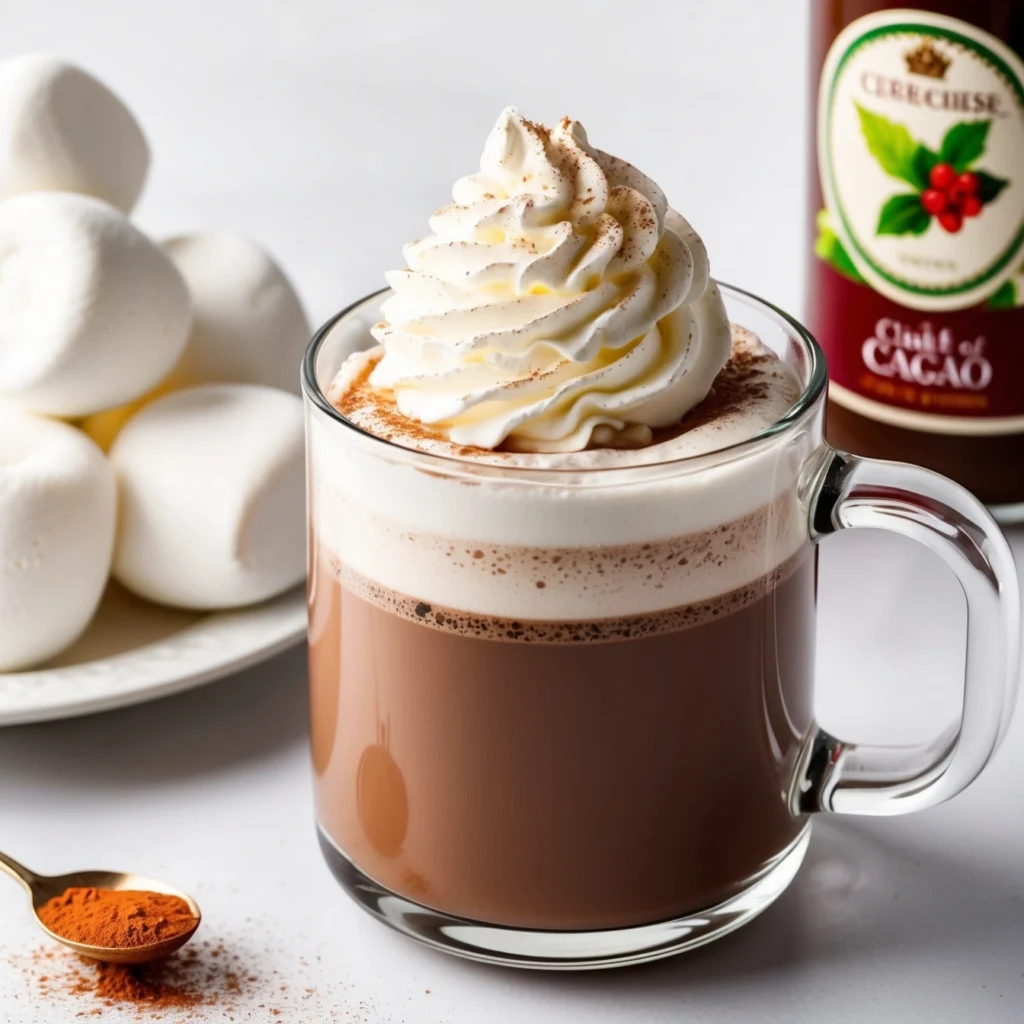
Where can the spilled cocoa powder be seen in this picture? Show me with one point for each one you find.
(202, 975)
(205, 981)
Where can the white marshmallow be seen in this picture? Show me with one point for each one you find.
(212, 496)
(61, 130)
(58, 508)
(92, 313)
(249, 326)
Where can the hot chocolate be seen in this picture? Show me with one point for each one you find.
(575, 732)
(560, 608)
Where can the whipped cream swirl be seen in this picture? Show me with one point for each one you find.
(558, 304)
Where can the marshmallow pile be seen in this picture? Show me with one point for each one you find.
(150, 425)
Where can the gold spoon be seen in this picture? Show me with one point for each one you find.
(42, 888)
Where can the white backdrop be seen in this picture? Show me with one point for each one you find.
(329, 131)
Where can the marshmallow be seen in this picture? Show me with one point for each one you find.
(58, 509)
(92, 314)
(248, 327)
(212, 496)
(61, 130)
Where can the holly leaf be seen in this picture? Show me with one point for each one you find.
(903, 215)
(890, 144)
(964, 143)
(989, 186)
(1004, 297)
(922, 162)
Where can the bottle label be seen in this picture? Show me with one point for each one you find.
(921, 158)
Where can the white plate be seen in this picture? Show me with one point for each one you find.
(134, 651)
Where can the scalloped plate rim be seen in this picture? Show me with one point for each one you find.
(218, 645)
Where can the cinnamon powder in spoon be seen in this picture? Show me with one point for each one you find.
(116, 918)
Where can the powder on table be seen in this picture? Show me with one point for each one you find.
(205, 982)
(117, 918)
(153, 984)
(177, 988)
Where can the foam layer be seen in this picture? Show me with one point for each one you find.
(662, 561)
(634, 531)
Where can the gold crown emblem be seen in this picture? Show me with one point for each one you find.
(926, 60)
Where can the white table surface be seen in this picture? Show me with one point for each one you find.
(329, 131)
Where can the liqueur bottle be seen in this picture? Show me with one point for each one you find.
(917, 273)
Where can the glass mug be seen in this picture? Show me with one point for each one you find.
(564, 718)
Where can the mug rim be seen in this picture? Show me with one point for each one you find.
(797, 414)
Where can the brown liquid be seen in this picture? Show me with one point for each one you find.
(560, 775)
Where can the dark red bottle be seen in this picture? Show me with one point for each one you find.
(917, 274)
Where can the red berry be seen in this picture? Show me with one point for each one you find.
(969, 183)
(942, 176)
(972, 206)
(934, 201)
(963, 188)
(951, 221)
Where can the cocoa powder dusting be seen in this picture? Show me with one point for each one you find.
(738, 383)
(388, 422)
(742, 380)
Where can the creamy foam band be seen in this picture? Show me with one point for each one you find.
(676, 566)
(589, 573)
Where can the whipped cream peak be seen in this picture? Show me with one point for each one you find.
(559, 303)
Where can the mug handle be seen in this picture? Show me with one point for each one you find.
(846, 492)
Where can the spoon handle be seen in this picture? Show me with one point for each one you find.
(17, 871)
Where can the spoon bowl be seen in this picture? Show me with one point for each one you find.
(42, 888)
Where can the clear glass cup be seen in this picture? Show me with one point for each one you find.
(600, 749)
